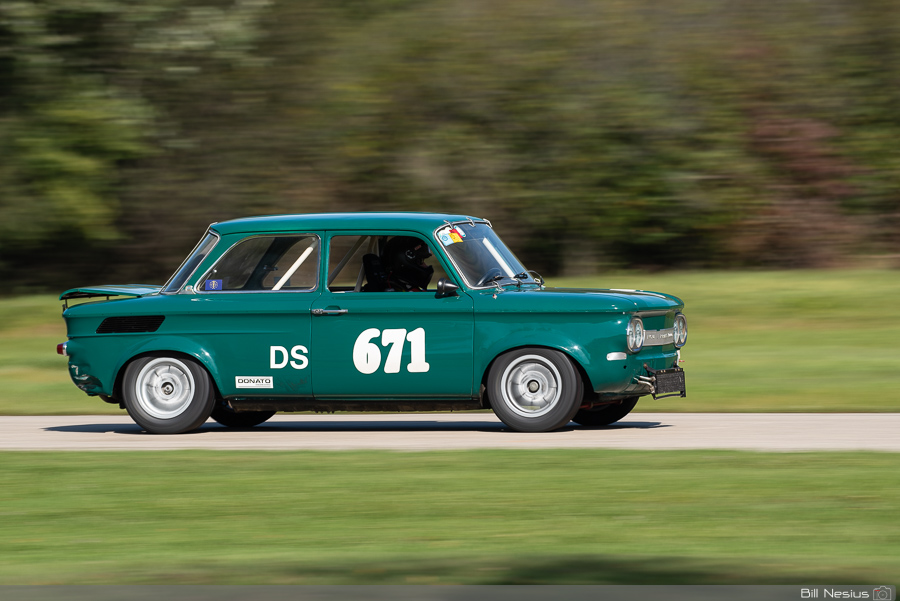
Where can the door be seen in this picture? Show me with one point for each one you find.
(387, 344)
(254, 308)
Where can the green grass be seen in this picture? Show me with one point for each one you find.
(759, 341)
(493, 517)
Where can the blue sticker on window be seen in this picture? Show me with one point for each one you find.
(213, 285)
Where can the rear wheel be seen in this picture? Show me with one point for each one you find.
(239, 419)
(167, 395)
(534, 389)
(605, 414)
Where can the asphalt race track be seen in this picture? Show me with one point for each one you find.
(457, 431)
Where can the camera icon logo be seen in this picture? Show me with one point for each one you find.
(883, 593)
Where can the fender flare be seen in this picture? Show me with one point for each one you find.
(168, 344)
(556, 342)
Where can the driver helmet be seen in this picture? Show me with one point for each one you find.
(404, 260)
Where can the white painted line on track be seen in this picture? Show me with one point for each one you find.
(458, 431)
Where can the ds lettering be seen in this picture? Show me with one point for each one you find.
(367, 354)
(279, 358)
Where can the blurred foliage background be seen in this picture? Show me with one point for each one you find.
(594, 134)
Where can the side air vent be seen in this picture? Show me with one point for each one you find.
(130, 324)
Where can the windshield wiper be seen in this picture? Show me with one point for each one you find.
(496, 282)
(536, 278)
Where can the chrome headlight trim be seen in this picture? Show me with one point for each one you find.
(681, 331)
(634, 334)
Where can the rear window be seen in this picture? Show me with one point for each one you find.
(190, 264)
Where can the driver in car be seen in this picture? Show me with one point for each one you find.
(401, 267)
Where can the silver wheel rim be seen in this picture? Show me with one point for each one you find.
(531, 386)
(164, 388)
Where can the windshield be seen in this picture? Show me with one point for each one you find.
(480, 255)
(190, 264)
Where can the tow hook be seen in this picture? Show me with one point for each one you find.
(649, 382)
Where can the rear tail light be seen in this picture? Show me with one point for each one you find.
(61, 349)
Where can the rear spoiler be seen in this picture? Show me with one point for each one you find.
(133, 290)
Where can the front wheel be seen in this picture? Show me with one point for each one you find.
(605, 414)
(167, 395)
(534, 389)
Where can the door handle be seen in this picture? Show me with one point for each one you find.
(329, 311)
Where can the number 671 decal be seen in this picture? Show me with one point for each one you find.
(367, 354)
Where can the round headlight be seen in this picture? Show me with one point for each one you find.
(634, 334)
(680, 330)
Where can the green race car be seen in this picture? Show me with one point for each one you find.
(368, 312)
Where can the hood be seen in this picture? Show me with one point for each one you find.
(123, 290)
(640, 299)
(586, 300)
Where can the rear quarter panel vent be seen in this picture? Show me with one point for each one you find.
(130, 324)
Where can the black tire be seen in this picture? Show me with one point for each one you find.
(239, 419)
(605, 414)
(167, 394)
(534, 389)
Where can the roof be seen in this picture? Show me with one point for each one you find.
(421, 222)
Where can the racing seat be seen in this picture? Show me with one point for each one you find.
(376, 278)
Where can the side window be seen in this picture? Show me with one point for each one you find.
(345, 261)
(276, 263)
(382, 264)
(297, 268)
(438, 271)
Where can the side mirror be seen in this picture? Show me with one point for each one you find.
(446, 288)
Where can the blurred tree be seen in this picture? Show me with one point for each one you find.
(63, 130)
(78, 108)
(694, 134)
(691, 134)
